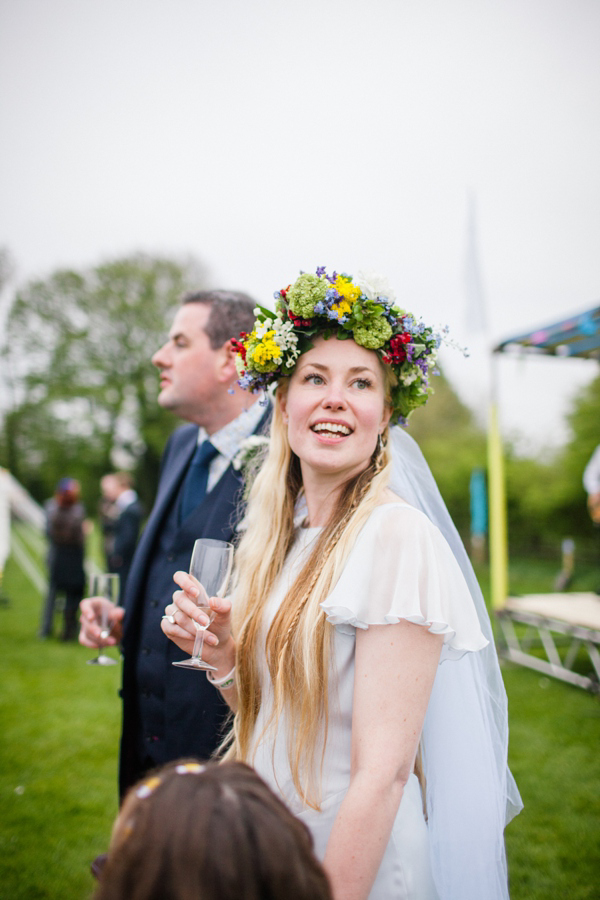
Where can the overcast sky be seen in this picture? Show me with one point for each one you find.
(265, 137)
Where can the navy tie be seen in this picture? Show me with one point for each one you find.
(194, 486)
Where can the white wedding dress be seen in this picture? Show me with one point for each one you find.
(400, 568)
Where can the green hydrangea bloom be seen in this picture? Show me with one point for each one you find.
(304, 293)
(373, 334)
(268, 366)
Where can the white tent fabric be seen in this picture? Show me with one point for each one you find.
(15, 502)
(22, 505)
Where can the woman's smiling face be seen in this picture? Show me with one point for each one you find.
(335, 407)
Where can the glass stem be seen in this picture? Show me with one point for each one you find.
(198, 644)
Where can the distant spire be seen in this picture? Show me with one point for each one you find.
(475, 307)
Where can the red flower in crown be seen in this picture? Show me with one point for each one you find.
(397, 352)
(299, 323)
(238, 345)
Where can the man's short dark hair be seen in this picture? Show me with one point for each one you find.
(230, 313)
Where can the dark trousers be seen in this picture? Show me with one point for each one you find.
(73, 597)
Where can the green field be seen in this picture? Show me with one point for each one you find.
(59, 727)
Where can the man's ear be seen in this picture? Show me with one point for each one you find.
(226, 366)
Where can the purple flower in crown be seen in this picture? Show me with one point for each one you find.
(246, 381)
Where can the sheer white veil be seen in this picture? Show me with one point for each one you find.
(470, 792)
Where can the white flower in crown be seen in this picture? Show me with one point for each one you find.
(261, 328)
(408, 377)
(374, 285)
(287, 339)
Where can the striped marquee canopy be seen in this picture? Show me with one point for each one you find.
(577, 336)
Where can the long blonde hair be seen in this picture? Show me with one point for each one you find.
(298, 643)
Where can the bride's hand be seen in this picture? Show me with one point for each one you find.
(180, 617)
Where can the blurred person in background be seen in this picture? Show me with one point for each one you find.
(591, 483)
(209, 832)
(65, 530)
(121, 524)
(107, 516)
(168, 714)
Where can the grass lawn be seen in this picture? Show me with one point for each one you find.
(553, 846)
(60, 722)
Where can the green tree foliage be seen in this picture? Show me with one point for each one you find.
(453, 444)
(76, 359)
(530, 500)
(584, 421)
(546, 500)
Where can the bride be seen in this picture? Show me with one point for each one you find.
(355, 650)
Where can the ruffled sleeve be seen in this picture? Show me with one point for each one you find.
(401, 567)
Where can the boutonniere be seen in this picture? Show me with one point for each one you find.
(251, 449)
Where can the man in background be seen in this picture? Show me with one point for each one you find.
(122, 520)
(170, 712)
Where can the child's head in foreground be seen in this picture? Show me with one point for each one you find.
(193, 831)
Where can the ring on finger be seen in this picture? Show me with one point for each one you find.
(170, 619)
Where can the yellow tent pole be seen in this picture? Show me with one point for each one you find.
(497, 505)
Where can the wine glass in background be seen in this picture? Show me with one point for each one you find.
(107, 586)
(210, 565)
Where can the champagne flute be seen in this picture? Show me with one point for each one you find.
(210, 565)
(107, 586)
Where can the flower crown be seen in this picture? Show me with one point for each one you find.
(360, 308)
(149, 785)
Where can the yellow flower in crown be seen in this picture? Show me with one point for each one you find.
(342, 308)
(348, 292)
(262, 351)
(267, 349)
